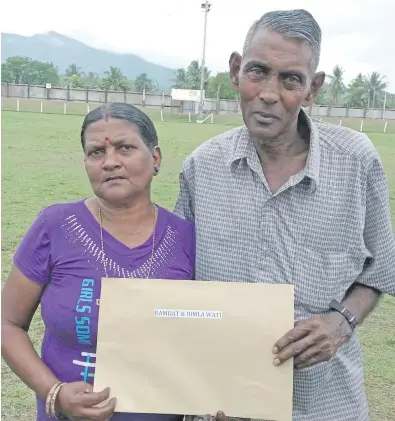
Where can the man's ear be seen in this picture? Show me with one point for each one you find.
(234, 69)
(316, 83)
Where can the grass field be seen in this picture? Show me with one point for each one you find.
(43, 164)
(80, 108)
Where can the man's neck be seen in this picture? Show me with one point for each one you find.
(289, 145)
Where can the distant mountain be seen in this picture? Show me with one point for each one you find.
(63, 51)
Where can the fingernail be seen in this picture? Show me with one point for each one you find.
(275, 350)
(276, 361)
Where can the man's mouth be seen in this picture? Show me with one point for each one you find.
(265, 118)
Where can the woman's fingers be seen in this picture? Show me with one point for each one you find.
(99, 413)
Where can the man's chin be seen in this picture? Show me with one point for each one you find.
(264, 131)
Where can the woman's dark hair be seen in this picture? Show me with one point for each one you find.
(127, 113)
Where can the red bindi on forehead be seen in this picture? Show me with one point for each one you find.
(107, 139)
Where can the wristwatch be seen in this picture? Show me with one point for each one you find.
(335, 305)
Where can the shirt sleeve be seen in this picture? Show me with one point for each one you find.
(33, 254)
(185, 203)
(378, 236)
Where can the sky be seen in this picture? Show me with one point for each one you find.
(358, 35)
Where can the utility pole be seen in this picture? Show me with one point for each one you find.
(206, 6)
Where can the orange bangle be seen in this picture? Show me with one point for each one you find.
(48, 400)
(53, 400)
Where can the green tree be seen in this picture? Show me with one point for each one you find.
(91, 80)
(24, 70)
(75, 81)
(144, 82)
(219, 86)
(194, 75)
(15, 69)
(336, 85)
(73, 69)
(357, 92)
(375, 86)
(42, 73)
(180, 79)
(114, 79)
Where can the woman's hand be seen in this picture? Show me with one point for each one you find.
(77, 400)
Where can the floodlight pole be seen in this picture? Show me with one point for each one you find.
(206, 6)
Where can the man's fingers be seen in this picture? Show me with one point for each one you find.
(99, 414)
(312, 361)
(302, 359)
(221, 416)
(300, 330)
(94, 398)
(294, 349)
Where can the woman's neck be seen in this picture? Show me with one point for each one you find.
(132, 225)
(133, 214)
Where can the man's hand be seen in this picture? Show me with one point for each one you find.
(313, 341)
(220, 416)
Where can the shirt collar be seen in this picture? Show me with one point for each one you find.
(244, 149)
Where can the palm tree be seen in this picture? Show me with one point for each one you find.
(336, 84)
(143, 82)
(73, 69)
(193, 75)
(114, 79)
(374, 86)
(180, 79)
(358, 96)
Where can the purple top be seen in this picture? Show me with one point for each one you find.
(62, 251)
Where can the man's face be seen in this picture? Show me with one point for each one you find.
(274, 82)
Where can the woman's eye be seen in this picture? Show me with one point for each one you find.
(96, 152)
(126, 147)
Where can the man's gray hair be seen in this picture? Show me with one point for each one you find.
(298, 24)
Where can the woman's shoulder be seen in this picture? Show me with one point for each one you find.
(58, 212)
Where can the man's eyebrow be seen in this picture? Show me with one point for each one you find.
(257, 63)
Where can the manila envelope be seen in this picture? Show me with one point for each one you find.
(195, 347)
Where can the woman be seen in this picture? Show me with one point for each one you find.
(71, 246)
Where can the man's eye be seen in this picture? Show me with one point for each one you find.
(292, 79)
(256, 71)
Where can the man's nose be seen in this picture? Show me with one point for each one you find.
(270, 90)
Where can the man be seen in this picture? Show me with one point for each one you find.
(284, 199)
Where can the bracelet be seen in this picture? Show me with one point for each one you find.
(51, 400)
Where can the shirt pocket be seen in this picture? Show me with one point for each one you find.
(319, 277)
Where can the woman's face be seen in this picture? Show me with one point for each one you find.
(119, 165)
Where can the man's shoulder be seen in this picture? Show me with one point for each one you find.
(346, 141)
(217, 148)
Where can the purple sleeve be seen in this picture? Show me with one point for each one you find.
(32, 256)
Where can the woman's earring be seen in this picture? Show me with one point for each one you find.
(156, 170)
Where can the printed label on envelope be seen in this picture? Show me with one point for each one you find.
(188, 314)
